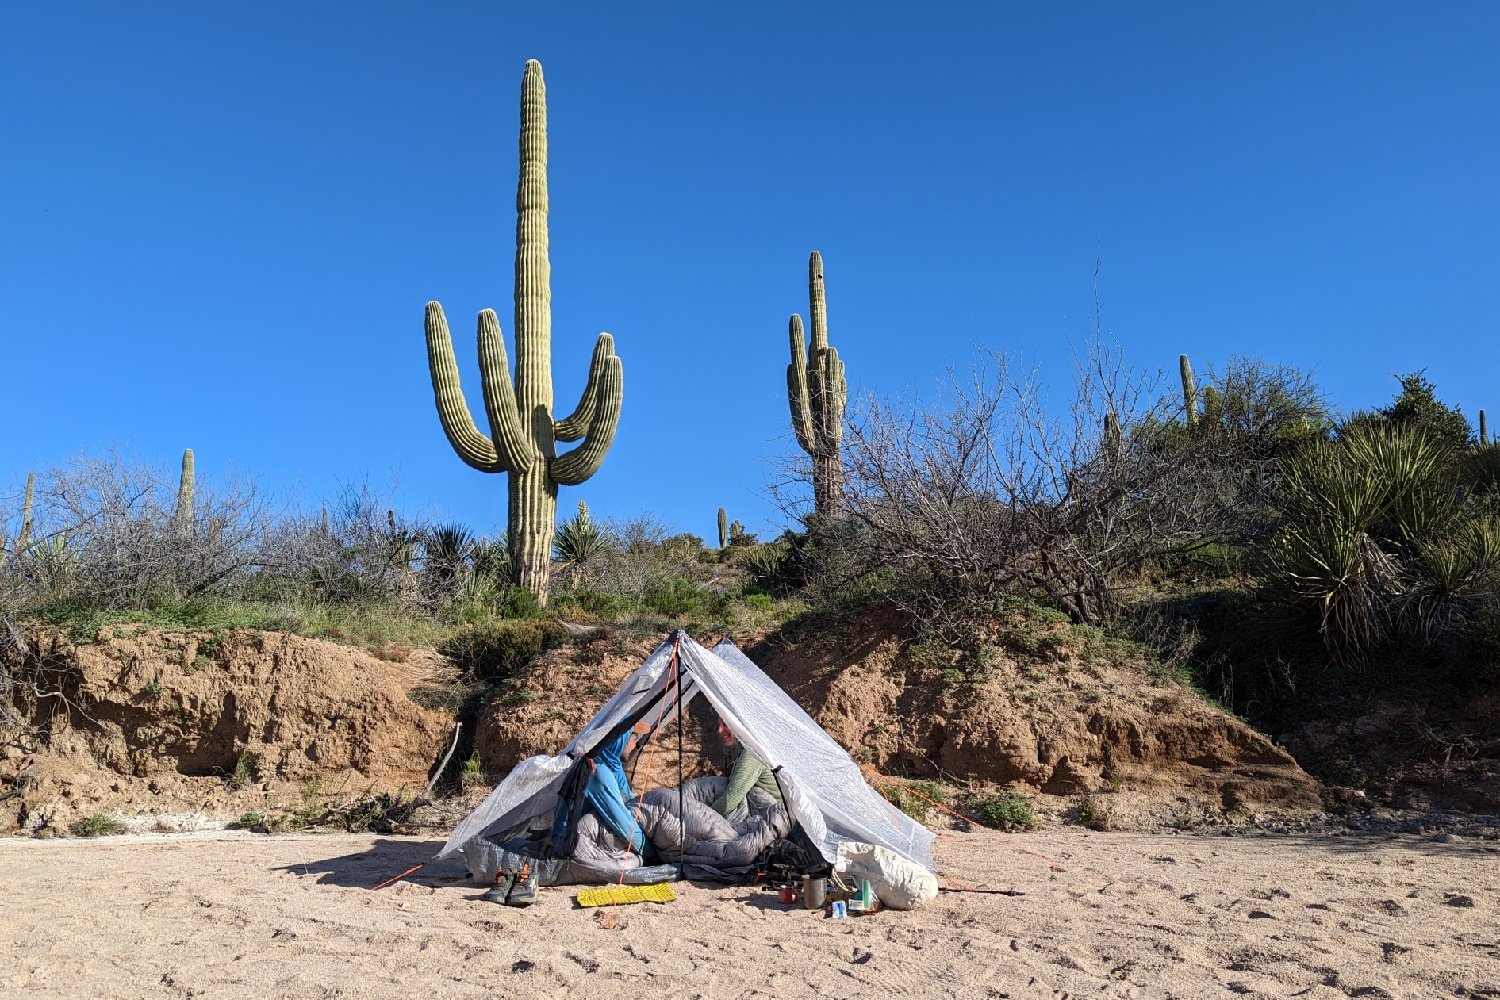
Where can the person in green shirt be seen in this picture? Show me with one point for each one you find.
(749, 773)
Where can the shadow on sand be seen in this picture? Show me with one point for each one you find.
(385, 859)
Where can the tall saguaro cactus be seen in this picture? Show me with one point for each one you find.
(818, 392)
(723, 528)
(185, 494)
(523, 434)
(1484, 431)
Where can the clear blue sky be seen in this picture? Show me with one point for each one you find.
(221, 221)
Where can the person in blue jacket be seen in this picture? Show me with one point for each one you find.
(608, 789)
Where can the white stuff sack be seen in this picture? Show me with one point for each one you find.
(900, 884)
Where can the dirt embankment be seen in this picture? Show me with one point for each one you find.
(1069, 721)
(1148, 750)
(181, 728)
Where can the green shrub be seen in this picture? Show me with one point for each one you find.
(759, 602)
(518, 602)
(496, 649)
(248, 821)
(912, 797)
(1010, 810)
(1092, 815)
(98, 825)
(245, 773)
(675, 598)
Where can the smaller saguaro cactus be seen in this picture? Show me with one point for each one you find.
(1484, 431)
(723, 527)
(185, 494)
(1189, 390)
(818, 392)
(24, 538)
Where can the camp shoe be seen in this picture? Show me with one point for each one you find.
(504, 882)
(523, 891)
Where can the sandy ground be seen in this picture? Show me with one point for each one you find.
(1129, 915)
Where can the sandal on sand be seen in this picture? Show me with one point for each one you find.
(504, 882)
(523, 889)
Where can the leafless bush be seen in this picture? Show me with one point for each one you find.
(987, 493)
(106, 535)
(357, 550)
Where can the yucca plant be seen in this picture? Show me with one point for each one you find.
(1357, 516)
(1481, 469)
(491, 559)
(580, 540)
(1455, 575)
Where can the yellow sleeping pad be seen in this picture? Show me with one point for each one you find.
(616, 894)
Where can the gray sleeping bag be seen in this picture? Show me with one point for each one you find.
(700, 838)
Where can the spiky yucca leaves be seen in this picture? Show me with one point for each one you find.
(185, 494)
(1481, 469)
(523, 432)
(1458, 574)
(580, 540)
(491, 560)
(723, 528)
(1189, 390)
(1355, 515)
(818, 394)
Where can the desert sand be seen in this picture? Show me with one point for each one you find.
(1128, 915)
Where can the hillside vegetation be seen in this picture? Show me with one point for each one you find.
(1015, 586)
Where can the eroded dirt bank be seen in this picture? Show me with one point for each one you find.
(177, 728)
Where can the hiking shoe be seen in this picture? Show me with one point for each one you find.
(498, 892)
(523, 889)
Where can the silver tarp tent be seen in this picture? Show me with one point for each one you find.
(824, 789)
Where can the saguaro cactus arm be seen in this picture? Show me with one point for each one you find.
(453, 410)
(507, 436)
(583, 461)
(576, 424)
(797, 391)
(830, 391)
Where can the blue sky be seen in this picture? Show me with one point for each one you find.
(221, 221)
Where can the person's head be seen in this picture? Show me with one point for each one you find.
(638, 732)
(727, 735)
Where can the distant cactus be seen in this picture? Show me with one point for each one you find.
(1213, 406)
(185, 494)
(1484, 432)
(818, 393)
(24, 538)
(1189, 391)
(523, 432)
(1114, 443)
(723, 528)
